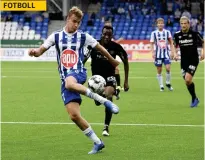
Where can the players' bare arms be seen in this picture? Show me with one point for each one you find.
(152, 49)
(171, 47)
(37, 52)
(105, 53)
(202, 52)
(175, 56)
(123, 57)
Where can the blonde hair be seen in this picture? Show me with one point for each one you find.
(76, 11)
(159, 19)
(184, 18)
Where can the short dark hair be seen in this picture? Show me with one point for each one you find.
(107, 27)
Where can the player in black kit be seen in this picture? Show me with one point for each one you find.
(101, 66)
(188, 41)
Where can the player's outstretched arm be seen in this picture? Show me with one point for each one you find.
(44, 47)
(126, 70)
(123, 56)
(37, 52)
(105, 53)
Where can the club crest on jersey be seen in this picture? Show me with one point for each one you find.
(68, 58)
(162, 44)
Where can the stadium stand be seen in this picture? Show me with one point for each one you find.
(136, 20)
(131, 20)
(24, 26)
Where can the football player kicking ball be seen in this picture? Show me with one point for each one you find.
(101, 66)
(188, 41)
(69, 44)
(162, 38)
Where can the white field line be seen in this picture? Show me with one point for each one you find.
(51, 77)
(100, 124)
(55, 70)
(177, 73)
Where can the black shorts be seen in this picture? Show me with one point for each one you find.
(189, 67)
(110, 79)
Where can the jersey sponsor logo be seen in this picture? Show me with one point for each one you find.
(100, 56)
(162, 44)
(69, 58)
(186, 41)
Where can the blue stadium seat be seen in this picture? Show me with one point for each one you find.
(142, 37)
(26, 24)
(135, 37)
(148, 36)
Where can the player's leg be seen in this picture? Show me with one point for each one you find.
(117, 76)
(109, 92)
(72, 84)
(158, 64)
(118, 88)
(167, 64)
(73, 109)
(190, 84)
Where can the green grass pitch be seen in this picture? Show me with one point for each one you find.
(31, 94)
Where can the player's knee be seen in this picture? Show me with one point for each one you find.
(109, 93)
(69, 85)
(188, 81)
(159, 70)
(74, 117)
(109, 97)
(168, 70)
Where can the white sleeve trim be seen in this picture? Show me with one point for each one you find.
(90, 41)
(152, 37)
(50, 41)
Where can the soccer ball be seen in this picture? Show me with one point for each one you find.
(97, 84)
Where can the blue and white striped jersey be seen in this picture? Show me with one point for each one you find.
(69, 49)
(160, 38)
